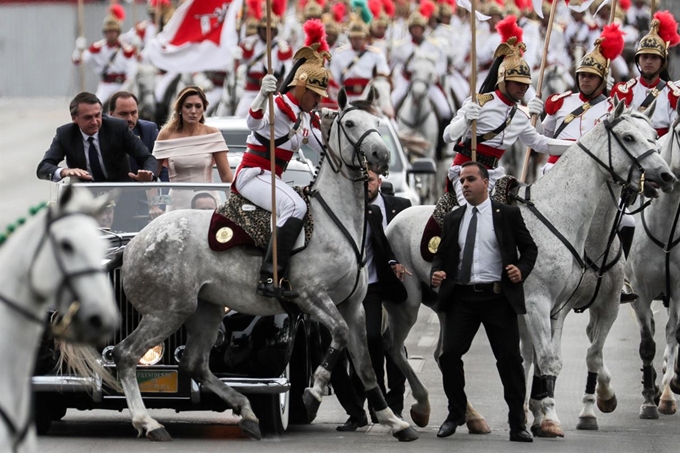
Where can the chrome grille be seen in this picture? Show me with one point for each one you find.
(130, 319)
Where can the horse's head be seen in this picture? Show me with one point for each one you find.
(355, 137)
(631, 150)
(671, 146)
(383, 96)
(68, 268)
(423, 76)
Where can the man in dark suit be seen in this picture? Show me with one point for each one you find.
(384, 278)
(125, 106)
(481, 274)
(95, 147)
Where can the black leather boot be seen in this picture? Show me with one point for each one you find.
(286, 236)
(626, 237)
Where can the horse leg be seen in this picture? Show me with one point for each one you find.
(527, 351)
(643, 310)
(358, 350)
(152, 330)
(547, 360)
(401, 319)
(667, 403)
(202, 328)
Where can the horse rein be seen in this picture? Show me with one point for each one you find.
(420, 120)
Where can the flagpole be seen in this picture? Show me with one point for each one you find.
(272, 147)
(81, 32)
(544, 61)
(157, 20)
(653, 7)
(612, 11)
(473, 76)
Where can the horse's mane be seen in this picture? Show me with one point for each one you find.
(365, 105)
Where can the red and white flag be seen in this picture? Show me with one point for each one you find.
(200, 36)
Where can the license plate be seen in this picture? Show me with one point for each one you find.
(157, 381)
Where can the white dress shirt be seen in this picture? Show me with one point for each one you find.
(487, 264)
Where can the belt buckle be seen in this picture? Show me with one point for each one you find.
(474, 288)
(496, 287)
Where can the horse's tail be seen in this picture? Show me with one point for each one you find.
(84, 361)
(116, 261)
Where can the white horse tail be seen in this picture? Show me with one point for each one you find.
(84, 361)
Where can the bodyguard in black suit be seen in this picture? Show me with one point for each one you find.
(96, 147)
(481, 274)
(385, 275)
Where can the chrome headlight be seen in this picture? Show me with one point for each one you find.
(153, 355)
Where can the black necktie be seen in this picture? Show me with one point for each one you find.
(468, 251)
(95, 166)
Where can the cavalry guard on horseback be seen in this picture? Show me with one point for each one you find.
(254, 55)
(654, 82)
(500, 121)
(355, 64)
(112, 60)
(295, 124)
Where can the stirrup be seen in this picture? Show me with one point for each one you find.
(627, 293)
(266, 288)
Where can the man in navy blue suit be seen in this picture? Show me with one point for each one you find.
(124, 105)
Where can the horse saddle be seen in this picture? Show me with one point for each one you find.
(237, 221)
(504, 192)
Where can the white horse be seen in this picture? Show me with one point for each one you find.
(142, 86)
(383, 99)
(417, 117)
(566, 198)
(53, 261)
(556, 80)
(172, 278)
(653, 269)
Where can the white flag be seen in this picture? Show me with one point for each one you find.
(466, 5)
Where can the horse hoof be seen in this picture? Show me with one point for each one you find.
(311, 405)
(607, 406)
(159, 435)
(550, 429)
(649, 412)
(406, 435)
(667, 407)
(421, 419)
(251, 428)
(478, 426)
(587, 424)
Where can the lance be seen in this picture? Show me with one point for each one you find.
(612, 12)
(652, 7)
(157, 19)
(544, 61)
(473, 76)
(272, 146)
(81, 32)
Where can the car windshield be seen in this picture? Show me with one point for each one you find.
(133, 205)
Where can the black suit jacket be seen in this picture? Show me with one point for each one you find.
(394, 205)
(116, 142)
(512, 235)
(147, 131)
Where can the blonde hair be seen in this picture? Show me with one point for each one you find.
(176, 122)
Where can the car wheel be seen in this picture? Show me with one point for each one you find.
(273, 410)
(43, 415)
(301, 377)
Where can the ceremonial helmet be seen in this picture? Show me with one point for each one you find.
(334, 19)
(312, 9)
(278, 10)
(608, 46)
(113, 22)
(663, 34)
(446, 8)
(164, 7)
(357, 29)
(310, 70)
(491, 7)
(513, 68)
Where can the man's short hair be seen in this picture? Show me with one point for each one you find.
(200, 195)
(120, 95)
(482, 169)
(83, 98)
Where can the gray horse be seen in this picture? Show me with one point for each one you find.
(172, 278)
(556, 274)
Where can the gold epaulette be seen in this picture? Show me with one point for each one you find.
(625, 87)
(484, 98)
(674, 88)
(557, 97)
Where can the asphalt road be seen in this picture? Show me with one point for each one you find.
(26, 130)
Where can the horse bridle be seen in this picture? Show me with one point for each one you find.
(420, 120)
(19, 434)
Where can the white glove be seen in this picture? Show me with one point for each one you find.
(237, 53)
(557, 147)
(472, 112)
(81, 43)
(267, 86)
(535, 106)
(75, 56)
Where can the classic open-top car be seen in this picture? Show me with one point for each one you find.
(269, 359)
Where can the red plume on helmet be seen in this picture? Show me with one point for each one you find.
(612, 41)
(279, 7)
(315, 33)
(389, 8)
(375, 6)
(508, 28)
(668, 28)
(339, 10)
(118, 11)
(625, 4)
(254, 9)
(427, 8)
